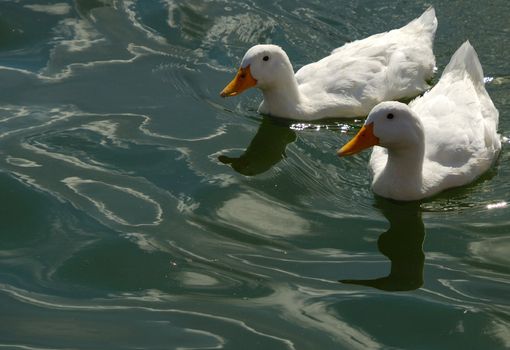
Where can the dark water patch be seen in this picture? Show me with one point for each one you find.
(400, 314)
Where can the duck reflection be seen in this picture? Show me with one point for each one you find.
(265, 149)
(403, 245)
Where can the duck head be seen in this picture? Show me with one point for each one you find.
(392, 125)
(263, 66)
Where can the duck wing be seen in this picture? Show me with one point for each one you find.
(459, 119)
(385, 66)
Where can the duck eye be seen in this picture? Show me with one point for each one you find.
(390, 116)
(266, 58)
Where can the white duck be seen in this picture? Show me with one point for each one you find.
(446, 138)
(348, 83)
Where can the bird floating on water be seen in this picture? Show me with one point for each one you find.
(350, 81)
(446, 138)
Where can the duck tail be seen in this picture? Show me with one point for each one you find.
(428, 18)
(465, 63)
(426, 23)
(465, 60)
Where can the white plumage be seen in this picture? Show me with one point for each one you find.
(354, 78)
(446, 138)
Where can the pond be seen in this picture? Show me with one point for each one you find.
(142, 210)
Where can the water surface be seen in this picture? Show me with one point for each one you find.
(141, 210)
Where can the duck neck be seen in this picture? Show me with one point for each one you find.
(402, 177)
(282, 98)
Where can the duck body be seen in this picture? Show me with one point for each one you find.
(348, 83)
(446, 138)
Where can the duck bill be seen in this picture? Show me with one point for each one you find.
(364, 138)
(242, 81)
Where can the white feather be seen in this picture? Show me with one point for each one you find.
(459, 124)
(353, 79)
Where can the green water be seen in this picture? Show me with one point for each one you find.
(142, 211)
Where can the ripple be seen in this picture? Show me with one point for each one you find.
(301, 305)
(123, 205)
(107, 129)
(22, 119)
(318, 270)
(331, 184)
(493, 251)
(62, 326)
(91, 321)
(215, 133)
(21, 162)
(195, 279)
(144, 242)
(391, 315)
(249, 28)
(111, 108)
(260, 215)
(54, 9)
(133, 17)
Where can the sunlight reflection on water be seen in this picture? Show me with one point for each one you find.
(141, 210)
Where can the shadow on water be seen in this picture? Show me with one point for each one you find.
(266, 149)
(402, 244)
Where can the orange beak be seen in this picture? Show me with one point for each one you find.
(242, 81)
(364, 138)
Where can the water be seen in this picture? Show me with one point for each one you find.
(141, 210)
